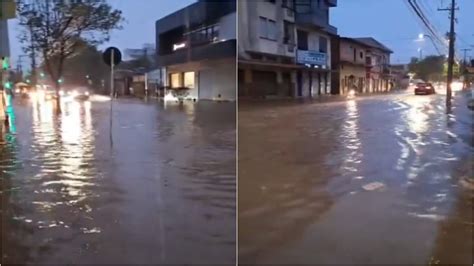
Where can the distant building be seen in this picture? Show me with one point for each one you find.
(196, 47)
(361, 64)
(284, 48)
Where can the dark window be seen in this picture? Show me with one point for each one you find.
(270, 1)
(289, 29)
(302, 40)
(204, 34)
(323, 44)
(355, 53)
(361, 55)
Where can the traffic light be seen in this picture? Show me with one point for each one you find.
(60, 80)
(5, 64)
(8, 85)
(42, 74)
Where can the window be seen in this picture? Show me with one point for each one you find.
(204, 34)
(323, 44)
(272, 30)
(270, 1)
(361, 55)
(289, 29)
(176, 80)
(302, 40)
(189, 81)
(268, 29)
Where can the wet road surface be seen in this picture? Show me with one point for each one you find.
(162, 192)
(375, 180)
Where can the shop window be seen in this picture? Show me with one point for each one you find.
(176, 80)
(189, 80)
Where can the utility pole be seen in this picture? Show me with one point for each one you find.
(452, 11)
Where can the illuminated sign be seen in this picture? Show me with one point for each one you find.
(179, 46)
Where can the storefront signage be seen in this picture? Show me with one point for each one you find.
(179, 46)
(311, 58)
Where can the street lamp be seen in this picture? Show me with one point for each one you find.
(421, 53)
(422, 36)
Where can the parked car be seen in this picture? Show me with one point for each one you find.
(424, 88)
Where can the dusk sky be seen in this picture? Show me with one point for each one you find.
(389, 21)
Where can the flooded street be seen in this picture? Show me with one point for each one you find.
(375, 180)
(162, 191)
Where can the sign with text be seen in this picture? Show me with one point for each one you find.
(311, 58)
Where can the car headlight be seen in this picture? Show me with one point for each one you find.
(87, 93)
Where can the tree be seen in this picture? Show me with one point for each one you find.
(57, 29)
(85, 67)
(431, 68)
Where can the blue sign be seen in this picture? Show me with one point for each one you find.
(311, 58)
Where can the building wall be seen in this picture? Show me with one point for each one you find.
(249, 28)
(347, 52)
(359, 74)
(218, 83)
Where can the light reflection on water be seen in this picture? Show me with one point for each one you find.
(171, 173)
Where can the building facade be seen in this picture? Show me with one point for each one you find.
(196, 48)
(284, 48)
(361, 64)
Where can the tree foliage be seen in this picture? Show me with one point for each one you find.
(85, 67)
(431, 68)
(59, 29)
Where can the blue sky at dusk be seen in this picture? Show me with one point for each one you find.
(389, 21)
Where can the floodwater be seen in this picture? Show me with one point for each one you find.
(160, 190)
(373, 180)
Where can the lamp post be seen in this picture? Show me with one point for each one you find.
(422, 36)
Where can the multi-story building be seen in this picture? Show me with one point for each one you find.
(314, 47)
(361, 64)
(196, 48)
(284, 47)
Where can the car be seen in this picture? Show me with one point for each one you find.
(424, 88)
(77, 93)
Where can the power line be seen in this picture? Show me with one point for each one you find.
(425, 22)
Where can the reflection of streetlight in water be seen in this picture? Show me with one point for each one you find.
(76, 147)
(350, 138)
